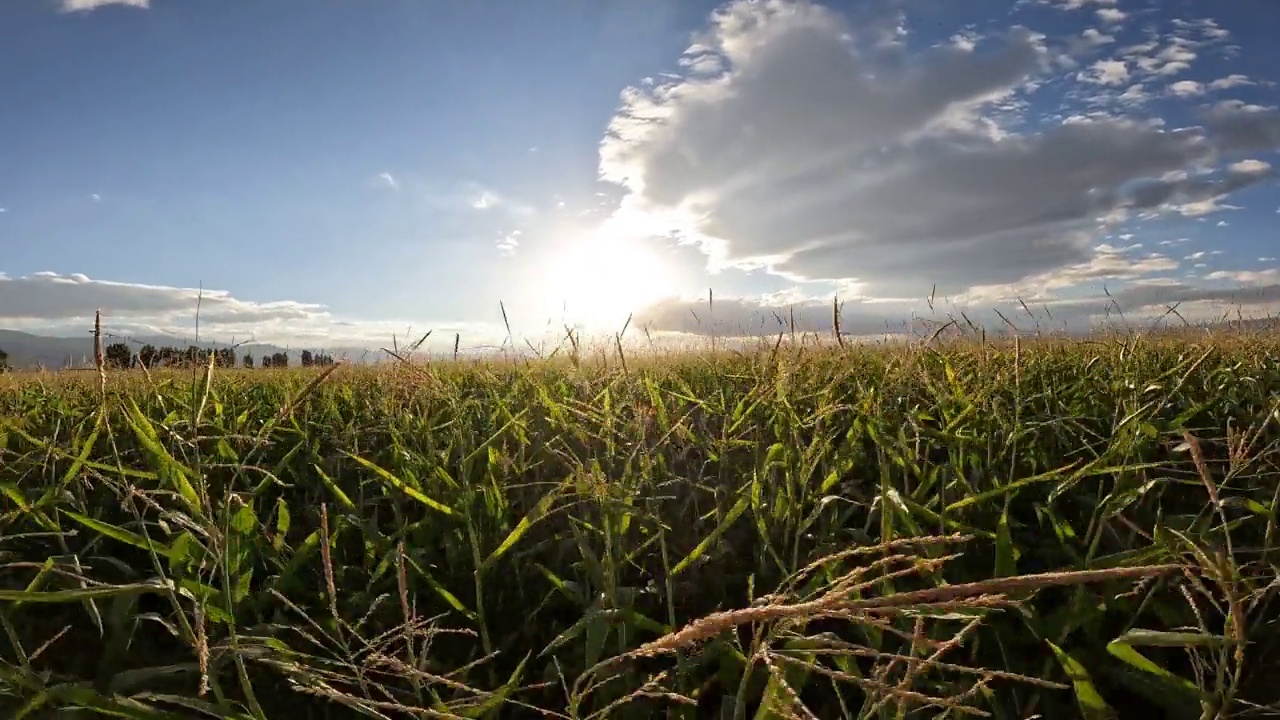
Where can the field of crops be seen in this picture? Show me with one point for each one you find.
(1054, 529)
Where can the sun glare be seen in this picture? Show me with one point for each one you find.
(603, 276)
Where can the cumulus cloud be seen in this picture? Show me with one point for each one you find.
(1172, 52)
(1250, 166)
(1106, 72)
(815, 155)
(1093, 38)
(1186, 88)
(48, 302)
(87, 5)
(1111, 15)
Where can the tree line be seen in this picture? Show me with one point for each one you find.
(119, 355)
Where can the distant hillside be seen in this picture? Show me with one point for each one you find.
(29, 351)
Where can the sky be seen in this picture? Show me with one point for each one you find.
(336, 172)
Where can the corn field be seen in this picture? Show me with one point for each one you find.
(963, 529)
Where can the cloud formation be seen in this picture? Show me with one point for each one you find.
(1254, 293)
(1111, 15)
(798, 142)
(54, 304)
(87, 5)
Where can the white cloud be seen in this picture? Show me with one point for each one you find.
(1093, 38)
(1078, 4)
(1111, 15)
(1107, 263)
(1250, 166)
(95, 197)
(47, 302)
(1230, 81)
(87, 5)
(1186, 88)
(1176, 55)
(485, 199)
(1247, 277)
(1106, 72)
(508, 243)
(1136, 93)
(47, 295)
(966, 41)
(389, 180)
(817, 156)
(1207, 28)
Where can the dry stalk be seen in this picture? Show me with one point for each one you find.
(716, 623)
(840, 601)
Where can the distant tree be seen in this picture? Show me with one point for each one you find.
(227, 357)
(168, 355)
(4, 361)
(148, 355)
(118, 355)
(248, 361)
(279, 360)
(306, 358)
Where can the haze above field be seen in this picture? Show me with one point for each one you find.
(334, 173)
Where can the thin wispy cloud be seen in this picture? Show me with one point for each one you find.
(485, 200)
(389, 180)
(1230, 81)
(87, 5)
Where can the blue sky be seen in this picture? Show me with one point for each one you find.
(332, 172)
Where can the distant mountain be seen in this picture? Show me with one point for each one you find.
(29, 351)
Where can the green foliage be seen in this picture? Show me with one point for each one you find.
(118, 356)
(1068, 529)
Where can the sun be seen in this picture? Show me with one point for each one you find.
(604, 275)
